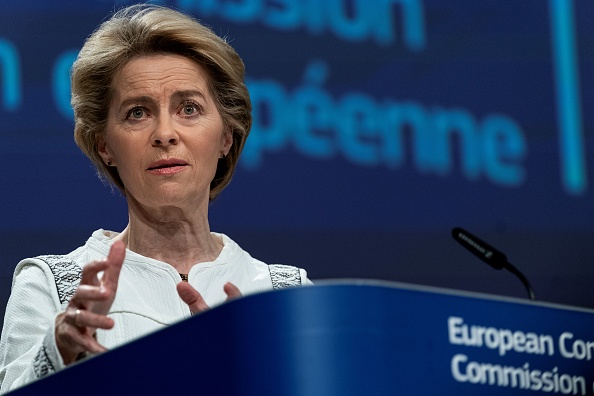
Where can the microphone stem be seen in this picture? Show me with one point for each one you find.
(524, 280)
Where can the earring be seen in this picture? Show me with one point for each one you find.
(222, 155)
(109, 163)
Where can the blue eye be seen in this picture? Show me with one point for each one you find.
(189, 109)
(136, 113)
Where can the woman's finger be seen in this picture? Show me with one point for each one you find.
(91, 270)
(72, 337)
(87, 293)
(87, 310)
(196, 302)
(190, 296)
(79, 342)
(231, 291)
(88, 321)
(111, 265)
(115, 260)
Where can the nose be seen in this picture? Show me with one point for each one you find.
(164, 133)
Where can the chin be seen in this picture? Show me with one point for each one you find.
(181, 196)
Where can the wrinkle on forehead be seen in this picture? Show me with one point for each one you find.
(168, 75)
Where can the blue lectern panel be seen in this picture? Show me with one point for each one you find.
(352, 339)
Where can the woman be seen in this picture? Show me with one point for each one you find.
(161, 109)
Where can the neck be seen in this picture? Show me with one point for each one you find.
(171, 235)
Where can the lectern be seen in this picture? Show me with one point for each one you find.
(351, 338)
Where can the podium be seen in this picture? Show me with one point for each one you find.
(351, 338)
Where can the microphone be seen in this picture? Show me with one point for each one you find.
(489, 255)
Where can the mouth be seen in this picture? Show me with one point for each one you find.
(167, 163)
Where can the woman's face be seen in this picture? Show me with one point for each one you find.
(164, 133)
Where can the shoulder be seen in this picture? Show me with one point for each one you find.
(280, 275)
(62, 270)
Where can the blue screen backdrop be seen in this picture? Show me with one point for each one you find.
(378, 127)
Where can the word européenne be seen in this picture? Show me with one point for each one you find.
(371, 132)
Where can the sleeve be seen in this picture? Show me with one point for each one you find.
(304, 279)
(283, 276)
(28, 349)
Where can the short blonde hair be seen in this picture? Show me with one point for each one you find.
(147, 30)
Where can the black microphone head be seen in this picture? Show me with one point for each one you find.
(479, 248)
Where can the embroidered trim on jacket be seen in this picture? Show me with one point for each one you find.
(284, 276)
(67, 275)
(42, 364)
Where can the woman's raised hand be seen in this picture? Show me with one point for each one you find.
(192, 297)
(88, 308)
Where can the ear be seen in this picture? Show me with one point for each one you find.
(103, 150)
(227, 141)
